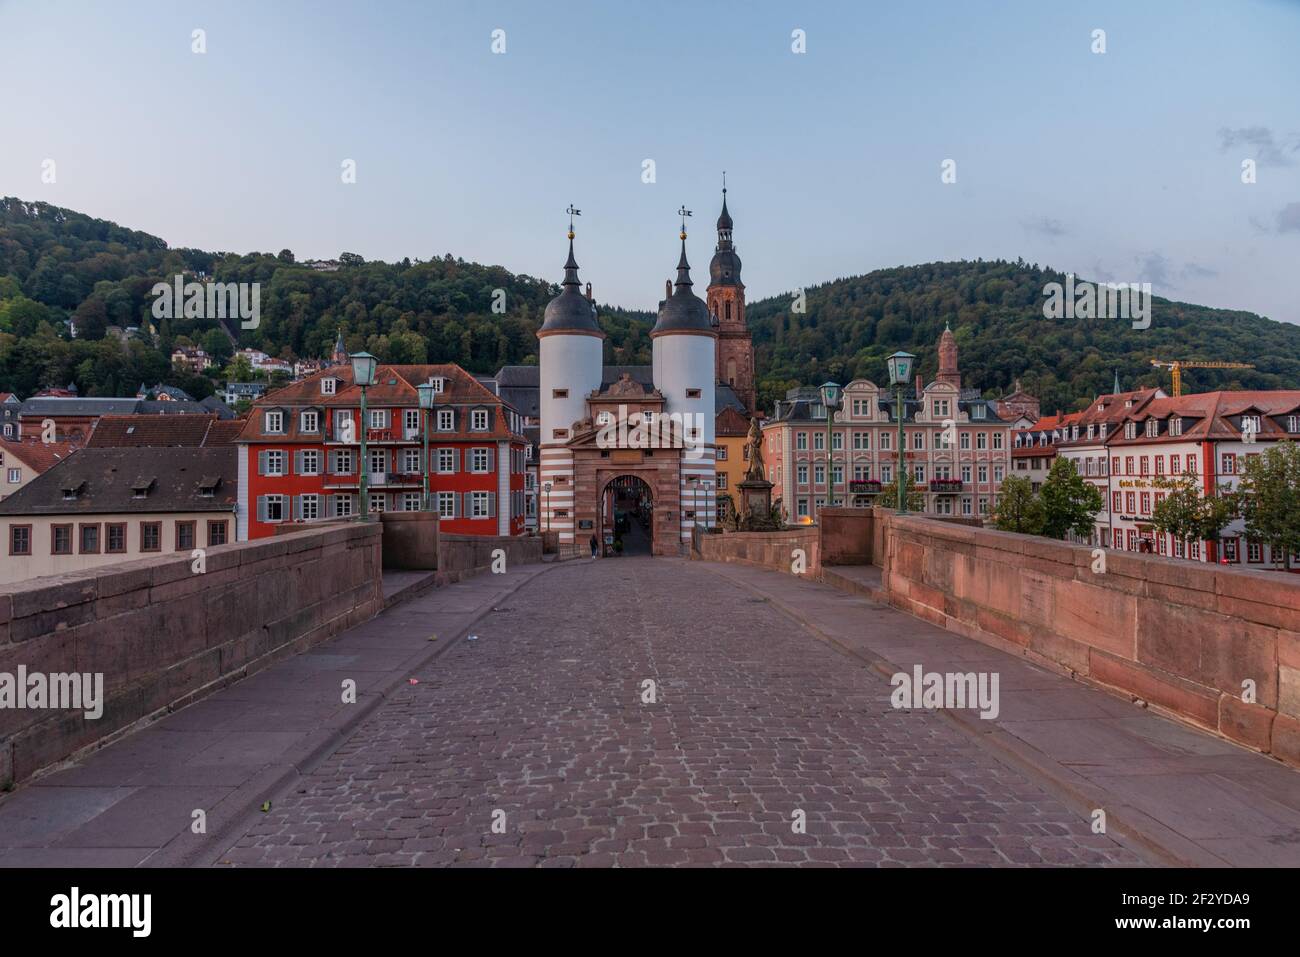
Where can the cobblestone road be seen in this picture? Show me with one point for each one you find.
(539, 725)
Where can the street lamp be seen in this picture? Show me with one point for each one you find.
(426, 392)
(546, 490)
(900, 370)
(363, 374)
(831, 401)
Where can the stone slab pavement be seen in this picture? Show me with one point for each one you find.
(541, 744)
(132, 802)
(1188, 796)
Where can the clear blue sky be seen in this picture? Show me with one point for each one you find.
(1123, 166)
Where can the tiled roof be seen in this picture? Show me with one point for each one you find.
(62, 405)
(730, 421)
(140, 431)
(105, 481)
(36, 455)
(394, 388)
(1207, 415)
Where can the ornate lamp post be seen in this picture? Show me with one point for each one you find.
(426, 393)
(546, 490)
(900, 370)
(363, 374)
(831, 401)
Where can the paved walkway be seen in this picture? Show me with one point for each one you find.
(133, 802)
(770, 739)
(762, 745)
(1188, 796)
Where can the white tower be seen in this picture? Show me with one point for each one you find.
(570, 361)
(684, 344)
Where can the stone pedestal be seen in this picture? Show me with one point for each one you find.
(755, 498)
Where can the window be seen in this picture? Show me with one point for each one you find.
(1160, 465)
(216, 533)
(1293, 423)
(692, 393)
(378, 502)
(1191, 463)
(480, 505)
(559, 393)
(819, 442)
(918, 440)
(20, 539)
(270, 508)
(940, 408)
(274, 422)
(819, 474)
(411, 422)
(802, 473)
(447, 420)
(967, 506)
(328, 385)
(965, 473)
(378, 418)
(150, 536)
(480, 460)
(1254, 553)
(184, 536)
(801, 441)
(115, 538)
(1117, 502)
(918, 473)
(1130, 430)
(479, 420)
(272, 462)
(837, 474)
(722, 480)
(837, 441)
(981, 440)
(885, 441)
(1144, 463)
(963, 441)
(310, 422)
(1146, 503)
(342, 462)
(861, 441)
(308, 462)
(803, 508)
(89, 535)
(1130, 503)
(447, 504)
(308, 507)
(983, 474)
(15, 476)
(722, 453)
(378, 462)
(997, 440)
(1119, 538)
(446, 460)
(1175, 426)
(978, 412)
(1229, 463)
(61, 540)
(1152, 428)
(1175, 465)
(411, 461)
(997, 473)
(342, 506)
(1128, 465)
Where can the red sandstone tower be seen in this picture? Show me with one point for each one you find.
(948, 359)
(726, 302)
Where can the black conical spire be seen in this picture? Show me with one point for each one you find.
(570, 311)
(571, 266)
(683, 267)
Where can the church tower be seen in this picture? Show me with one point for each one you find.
(948, 371)
(726, 302)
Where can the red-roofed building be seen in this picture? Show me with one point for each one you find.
(300, 452)
(158, 431)
(1034, 449)
(22, 461)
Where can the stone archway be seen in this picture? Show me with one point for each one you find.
(626, 515)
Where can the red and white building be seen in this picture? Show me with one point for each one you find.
(300, 452)
(1160, 442)
(1033, 449)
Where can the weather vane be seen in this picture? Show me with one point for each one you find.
(683, 213)
(724, 182)
(572, 212)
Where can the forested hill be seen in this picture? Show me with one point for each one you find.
(57, 264)
(996, 312)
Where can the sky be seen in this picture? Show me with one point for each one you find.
(1122, 166)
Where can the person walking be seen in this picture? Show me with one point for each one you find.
(593, 546)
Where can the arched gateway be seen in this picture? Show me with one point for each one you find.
(627, 516)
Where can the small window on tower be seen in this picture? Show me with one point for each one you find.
(559, 393)
(692, 393)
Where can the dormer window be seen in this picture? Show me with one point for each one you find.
(1175, 426)
(818, 411)
(1293, 423)
(141, 487)
(977, 411)
(439, 384)
(328, 385)
(1152, 428)
(446, 420)
(479, 420)
(208, 485)
(1091, 430)
(1250, 423)
(1130, 430)
(310, 421)
(72, 491)
(275, 422)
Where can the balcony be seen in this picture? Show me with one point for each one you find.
(946, 486)
(864, 486)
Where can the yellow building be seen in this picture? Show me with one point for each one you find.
(731, 429)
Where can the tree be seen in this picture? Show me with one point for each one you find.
(1069, 503)
(239, 370)
(1268, 497)
(1188, 515)
(1018, 508)
(915, 496)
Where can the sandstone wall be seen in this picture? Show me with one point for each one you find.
(766, 549)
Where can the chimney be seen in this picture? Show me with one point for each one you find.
(668, 288)
(919, 390)
(589, 292)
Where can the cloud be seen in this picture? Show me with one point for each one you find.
(1197, 271)
(1267, 149)
(1154, 268)
(1052, 228)
(1288, 218)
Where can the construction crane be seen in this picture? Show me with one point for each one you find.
(1176, 367)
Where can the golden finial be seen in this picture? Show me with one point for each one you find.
(572, 212)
